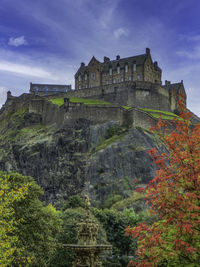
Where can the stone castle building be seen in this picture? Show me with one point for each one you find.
(133, 81)
(48, 89)
(136, 68)
(132, 88)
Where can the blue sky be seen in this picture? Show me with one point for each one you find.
(44, 41)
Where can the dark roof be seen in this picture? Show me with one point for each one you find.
(50, 85)
(138, 60)
(174, 86)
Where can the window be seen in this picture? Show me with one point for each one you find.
(126, 68)
(79, 87)
(86, 86)
(110, 71)
(134, 67)
(93, 75)
(85, 76)
(114, 81)
(79, 78)
(122, 79)
(107, 82)
(138, 77)
(118, 69)
(129, 78)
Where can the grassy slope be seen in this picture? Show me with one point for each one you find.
(153, 112)
(60, 101)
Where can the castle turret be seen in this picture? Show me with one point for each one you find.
(148, 51)
(9, 95)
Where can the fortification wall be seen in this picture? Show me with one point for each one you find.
(134, 94)
(14, 104)
(50, 113)
(143, 119)
(94, 113)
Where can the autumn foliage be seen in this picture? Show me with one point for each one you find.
(174, 197)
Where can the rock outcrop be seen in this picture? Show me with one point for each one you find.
(102, 159)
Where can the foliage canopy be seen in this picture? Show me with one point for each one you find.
(174, 196)
(27, 227)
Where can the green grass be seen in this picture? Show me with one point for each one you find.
(159, 111)
(126, 107)
(88, 101)
(153, 112)
(110, 141)
(160, 114)
(60, 101)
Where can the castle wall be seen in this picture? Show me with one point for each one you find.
(14, 104)
(50, 113)
(95, 114)
(133, 94)
(143, 119)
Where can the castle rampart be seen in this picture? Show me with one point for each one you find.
(133, 94)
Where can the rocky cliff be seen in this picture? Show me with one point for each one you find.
(102, 159)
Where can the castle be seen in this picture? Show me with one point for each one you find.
(134, 81)
(136, 68)
(130, 86)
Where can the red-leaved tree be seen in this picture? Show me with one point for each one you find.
(174, 197)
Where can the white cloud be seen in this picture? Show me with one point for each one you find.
(120, 32)
(24, 69)
(17, 41)
(3, 91)
(190, 37)
(195, 54)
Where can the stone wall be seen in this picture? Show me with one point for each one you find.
(14, 104)
(143, 119)
(96, 114)
(50, 113)
(133, 94)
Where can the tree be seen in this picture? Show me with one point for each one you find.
(71, 218)
(114, 223)
(28, 226)
(8, 225)
(174, 196)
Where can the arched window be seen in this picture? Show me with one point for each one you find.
(126, 68)
(79, 77)
(118, 69)
(110, 70)
(134, 67)
(85, 76)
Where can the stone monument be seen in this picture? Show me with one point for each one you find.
(87, 250)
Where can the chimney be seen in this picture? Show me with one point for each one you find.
(9, 95)
(106, 59)
(156, 64)
(147, 51)
(167, 82)
(82, 64)
(118, 57)
(181, 81)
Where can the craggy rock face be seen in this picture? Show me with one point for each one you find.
(101, 159)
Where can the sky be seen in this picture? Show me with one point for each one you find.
(44, 41)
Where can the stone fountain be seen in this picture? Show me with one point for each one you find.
(87, 250)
